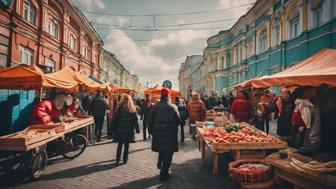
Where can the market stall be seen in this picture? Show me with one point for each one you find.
(243, 141)
(30, 147)
(286, 170)
(302, 171)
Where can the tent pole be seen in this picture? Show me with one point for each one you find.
(41, 93)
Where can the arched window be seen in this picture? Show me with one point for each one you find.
(53, 28)
(276, 35)
(263, 41)
(84, 51)
(29, 11)
(72, 42)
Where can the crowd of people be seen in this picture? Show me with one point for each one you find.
(305, 117)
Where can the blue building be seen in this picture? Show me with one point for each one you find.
(271, 36)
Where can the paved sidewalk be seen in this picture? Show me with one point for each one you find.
(96, 169)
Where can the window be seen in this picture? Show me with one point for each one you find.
(72, 42)
(26, 56)
(277, 36)
(219, 67)
(318, 16)
(53, 28)
(84, 51)
(263, 41)
(51, 64)
(29, 11)
(294, 28)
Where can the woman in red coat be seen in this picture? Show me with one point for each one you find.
(241, 109)
(48, 110)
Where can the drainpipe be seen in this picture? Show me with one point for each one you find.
(10, 37)
(40, 28)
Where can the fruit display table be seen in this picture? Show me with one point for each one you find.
(38, 135)
(236, 147)
(284, 171)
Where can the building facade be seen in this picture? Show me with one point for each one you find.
(112, 68)
(190, 75)
(270, 37)
(50, 34)
(115, 72)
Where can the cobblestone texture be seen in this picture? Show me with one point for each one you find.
(95, 168)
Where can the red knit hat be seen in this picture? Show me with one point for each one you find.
(164, 91)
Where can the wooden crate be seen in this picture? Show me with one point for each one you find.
(39, 135)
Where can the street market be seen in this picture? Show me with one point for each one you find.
(179, 94)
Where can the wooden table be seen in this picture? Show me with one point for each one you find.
(283, 171)
(12, 143)
(236, 149)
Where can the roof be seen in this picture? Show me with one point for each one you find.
(21, 77)
(318, 69)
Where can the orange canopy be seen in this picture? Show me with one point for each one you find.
(153, 89)
(313, 71)
(245, 84)
(123, 90)
(65, 78)
(172, 93)
(88, 83)
(21, 77)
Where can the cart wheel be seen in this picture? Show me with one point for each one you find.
(78, 144)
(39, 163)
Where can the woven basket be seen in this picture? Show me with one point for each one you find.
(246, 177)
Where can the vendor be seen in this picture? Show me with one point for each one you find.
(75, 109)
(241, 109)
(48, 110)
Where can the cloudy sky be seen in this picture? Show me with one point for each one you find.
(156, 55)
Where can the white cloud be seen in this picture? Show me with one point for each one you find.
(89, 4)
(181, 37)
(118, 21)
(140, 59)
(235, 12)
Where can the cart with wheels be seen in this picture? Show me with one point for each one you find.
(29, 150)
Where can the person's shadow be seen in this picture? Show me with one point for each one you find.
(6, 112)
(81, 171)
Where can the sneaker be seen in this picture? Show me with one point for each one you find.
(117, 163)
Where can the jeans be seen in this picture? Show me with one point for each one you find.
(126, 148)
(192, 130)
(262, 123)
(165, 159)
(182, 133)
(98, 127)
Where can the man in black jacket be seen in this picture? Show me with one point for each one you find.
(183, 116)
(98, 108)
(164, 120)
(147, 106)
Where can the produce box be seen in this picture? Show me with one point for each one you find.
(244, 138)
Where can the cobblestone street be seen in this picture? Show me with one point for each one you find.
(96, 169)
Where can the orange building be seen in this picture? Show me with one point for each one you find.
(49, 33)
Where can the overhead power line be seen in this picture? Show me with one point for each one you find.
(197, 23)
(166, 14)
(153, 29)
(150, 40)
(164, 27)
